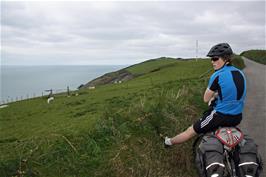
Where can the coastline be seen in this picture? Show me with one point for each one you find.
(29, 81)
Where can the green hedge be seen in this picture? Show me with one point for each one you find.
(238, 62)
(256, 55)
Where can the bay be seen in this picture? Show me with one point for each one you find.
(21, 82)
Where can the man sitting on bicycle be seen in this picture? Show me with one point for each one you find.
(229, 85)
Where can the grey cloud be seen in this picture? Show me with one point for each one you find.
(96, 32)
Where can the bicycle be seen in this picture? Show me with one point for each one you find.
(229, 142)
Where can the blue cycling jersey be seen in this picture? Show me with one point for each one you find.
(230, 83)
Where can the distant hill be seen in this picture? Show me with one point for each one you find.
(131, 72)
(256, 55)
(140, 69)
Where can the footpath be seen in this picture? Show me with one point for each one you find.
(254, 116)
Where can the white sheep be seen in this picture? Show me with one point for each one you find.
(50, 99)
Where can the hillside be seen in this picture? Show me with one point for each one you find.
(256, 55)
(113, 130)
(140, 69)
(131, 72)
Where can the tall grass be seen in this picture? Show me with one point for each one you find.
(125, 141)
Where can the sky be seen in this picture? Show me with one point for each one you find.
(125, 32)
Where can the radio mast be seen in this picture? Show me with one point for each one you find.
(197, 49)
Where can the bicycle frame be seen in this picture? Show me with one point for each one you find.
(230, 168)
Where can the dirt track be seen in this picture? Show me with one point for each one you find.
(254, 119)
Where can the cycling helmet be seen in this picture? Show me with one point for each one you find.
(220, 50)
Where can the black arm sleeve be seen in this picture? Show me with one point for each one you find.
(215, 85)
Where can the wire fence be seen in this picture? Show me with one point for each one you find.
(45, 93)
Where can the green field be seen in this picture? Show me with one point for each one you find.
(113, 130)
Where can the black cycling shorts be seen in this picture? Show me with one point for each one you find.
(212, 120)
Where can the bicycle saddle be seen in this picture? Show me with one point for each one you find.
(229, 136)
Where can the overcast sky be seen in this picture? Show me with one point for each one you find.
(122, 33)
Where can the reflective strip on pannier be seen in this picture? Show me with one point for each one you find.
(248, 163)
(215, 175)
(222, 165)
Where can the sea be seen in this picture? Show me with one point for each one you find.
(23, 82)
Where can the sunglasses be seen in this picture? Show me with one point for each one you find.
(214, 58)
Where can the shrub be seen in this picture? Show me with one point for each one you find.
(256, 55)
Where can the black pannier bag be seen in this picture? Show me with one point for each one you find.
(209, 157)
(250, 163)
